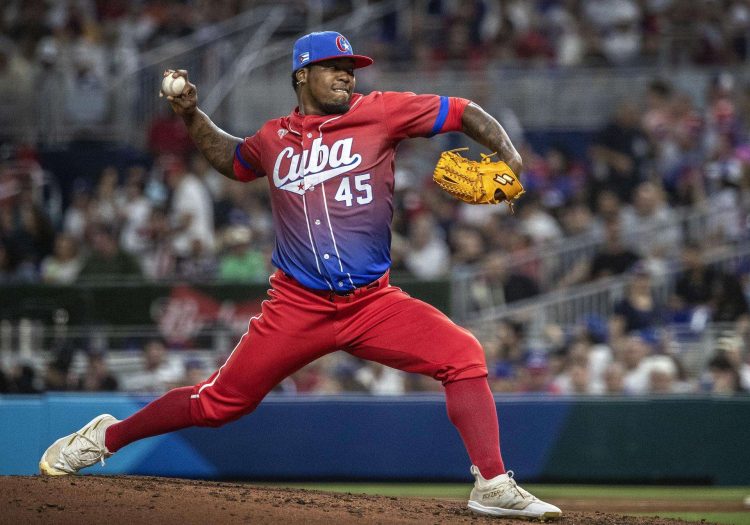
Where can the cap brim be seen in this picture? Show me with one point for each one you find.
(359, 60)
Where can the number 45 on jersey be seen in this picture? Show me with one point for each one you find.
(362, 190)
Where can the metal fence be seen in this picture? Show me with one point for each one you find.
(548, 264)
(571, 306)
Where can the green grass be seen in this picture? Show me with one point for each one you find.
(640, 492)
(731, 518)
(461, 491)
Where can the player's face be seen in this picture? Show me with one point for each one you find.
(330, 86)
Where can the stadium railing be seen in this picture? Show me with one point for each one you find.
(553, 261)
(570, 306)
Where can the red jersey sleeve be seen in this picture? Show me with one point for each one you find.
(410, 115)
(247, 161)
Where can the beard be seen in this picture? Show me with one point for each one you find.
(335, 108)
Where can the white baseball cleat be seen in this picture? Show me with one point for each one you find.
(79, 450)
(501, 496)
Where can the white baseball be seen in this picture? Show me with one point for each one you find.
(172, 86)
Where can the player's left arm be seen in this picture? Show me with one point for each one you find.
(487, 131)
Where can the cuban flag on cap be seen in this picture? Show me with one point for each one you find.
(325, 45)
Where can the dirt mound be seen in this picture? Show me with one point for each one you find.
(114, 500)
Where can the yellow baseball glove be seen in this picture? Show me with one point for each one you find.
(484, 182)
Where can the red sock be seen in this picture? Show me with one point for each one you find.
(168, 413)
(471, 408)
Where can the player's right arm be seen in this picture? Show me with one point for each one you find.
(215, 144)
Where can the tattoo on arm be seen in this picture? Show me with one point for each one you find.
(487, 131)
(215, 144)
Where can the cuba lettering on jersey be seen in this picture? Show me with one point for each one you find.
(331, 180)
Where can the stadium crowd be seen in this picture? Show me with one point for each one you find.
(172, 217)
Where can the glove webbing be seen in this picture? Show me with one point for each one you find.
(457, 171)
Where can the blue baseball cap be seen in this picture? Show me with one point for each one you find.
(325, 45)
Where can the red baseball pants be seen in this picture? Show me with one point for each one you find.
(379, 323)
(296, 326)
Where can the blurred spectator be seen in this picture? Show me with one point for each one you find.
(48, 77)
(239, 260)
(97, 376)
(380, 379)
(195, 372)
(612, 258)
(657, 118)
(76, 218)
(639, 309)
(495, 286)
(633, 356)
(64, 265)
(168, 134)
(107, 262)
(134, 210)
(511, 338)
(724, 377)
(693, 288)
(7, 272)
(58, 375)
(535, 376)
(614, 379)
(731, 346)
(467, 245)
(728, 302)
(104, 207)
(651, 222)
(537, 222)
(314, 379)
(22, 379)
(87, 97)
(578, 221)
(619, 153)
(662, 374)
(428, 256)
(27, 233)
(191, 209)
(556, 180)
(198, 265)
(725, 176)
(4, 382)
(703, 293)
(160, 370)
(15, 91)
(158, 259)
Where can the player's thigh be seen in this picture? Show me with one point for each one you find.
(408, 334)
(273, 348)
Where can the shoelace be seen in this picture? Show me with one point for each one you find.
(521, 492)
(100, 451)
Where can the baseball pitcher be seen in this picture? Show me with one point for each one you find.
(330, 168)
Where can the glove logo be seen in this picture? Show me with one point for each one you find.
(504, 179)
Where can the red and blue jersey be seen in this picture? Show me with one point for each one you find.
(331, 180)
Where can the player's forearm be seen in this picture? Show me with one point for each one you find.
(215, 144)
(486, 130)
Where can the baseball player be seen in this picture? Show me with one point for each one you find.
(330, 167)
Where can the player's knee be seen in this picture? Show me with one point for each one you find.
(213, 409)
(468, 361)
(472, 353)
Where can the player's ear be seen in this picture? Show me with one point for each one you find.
(301, 76)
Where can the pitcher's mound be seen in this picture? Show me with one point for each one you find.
(129, 500)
